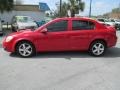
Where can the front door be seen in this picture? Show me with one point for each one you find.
(56, 37)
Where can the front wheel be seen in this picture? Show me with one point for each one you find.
(97, 48)
(25, 49)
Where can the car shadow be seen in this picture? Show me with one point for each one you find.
(110, 53)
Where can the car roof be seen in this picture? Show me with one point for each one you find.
(76, 18)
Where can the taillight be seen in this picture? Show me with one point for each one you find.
(112, 30)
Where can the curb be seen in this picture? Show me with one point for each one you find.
(0, 45)
(1, 38)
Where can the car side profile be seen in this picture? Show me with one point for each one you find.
(63, 34)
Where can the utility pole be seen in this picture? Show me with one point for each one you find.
(60, 8)
(90, 8)
(79, 6)
(119, 7)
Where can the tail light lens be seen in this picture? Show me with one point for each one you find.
(112, 30)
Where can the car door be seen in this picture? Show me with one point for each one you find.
(56, 38)
(79, 38)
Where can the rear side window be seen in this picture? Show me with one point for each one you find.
(82, 25)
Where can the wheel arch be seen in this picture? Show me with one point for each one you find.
(98, 39)
(24, 40)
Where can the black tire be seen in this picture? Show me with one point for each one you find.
(1, 33)
(99, 51)
(31, 49)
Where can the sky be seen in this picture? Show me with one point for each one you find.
(99, 7)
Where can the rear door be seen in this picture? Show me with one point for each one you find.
(79, 38)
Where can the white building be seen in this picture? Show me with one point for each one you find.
(27, 10)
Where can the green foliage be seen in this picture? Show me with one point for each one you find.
(63, 11)
(6, 5)
(116, 10)
(73, 5)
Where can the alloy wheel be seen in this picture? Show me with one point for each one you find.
(25, 49)
(98, 49)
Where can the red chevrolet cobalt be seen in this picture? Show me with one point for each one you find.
(63, 34)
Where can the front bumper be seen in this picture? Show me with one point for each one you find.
(8, 46)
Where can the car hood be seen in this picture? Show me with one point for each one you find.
(22, 32)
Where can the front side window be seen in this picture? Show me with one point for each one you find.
(82, 25)
(58, 26)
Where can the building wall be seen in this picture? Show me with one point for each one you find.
(7, 16)
(115, 15)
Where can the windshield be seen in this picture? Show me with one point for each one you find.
(112, 20)
(45, 25)
(24, 19)
(102, 20)
(107, 20)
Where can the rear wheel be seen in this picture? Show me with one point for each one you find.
(25, 49)
(97, 48)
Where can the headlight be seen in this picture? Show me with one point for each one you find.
(9, 38)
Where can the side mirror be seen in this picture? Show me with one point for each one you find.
(44, 30)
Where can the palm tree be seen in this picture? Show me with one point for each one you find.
(63, 12)
(6, 5)
(75, 6)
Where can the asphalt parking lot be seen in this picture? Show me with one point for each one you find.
(61, 71)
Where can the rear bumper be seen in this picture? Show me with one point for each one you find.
(112, 41)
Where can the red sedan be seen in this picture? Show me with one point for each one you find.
(63, 34)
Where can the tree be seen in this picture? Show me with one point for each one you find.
(18, 2)
(74, 6)
(116, 10)
(6, 5)
(64, 10)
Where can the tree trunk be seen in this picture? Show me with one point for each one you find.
(72, 13)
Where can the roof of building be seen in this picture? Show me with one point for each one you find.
(43, 6)
(23, 7)
(27, 8)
